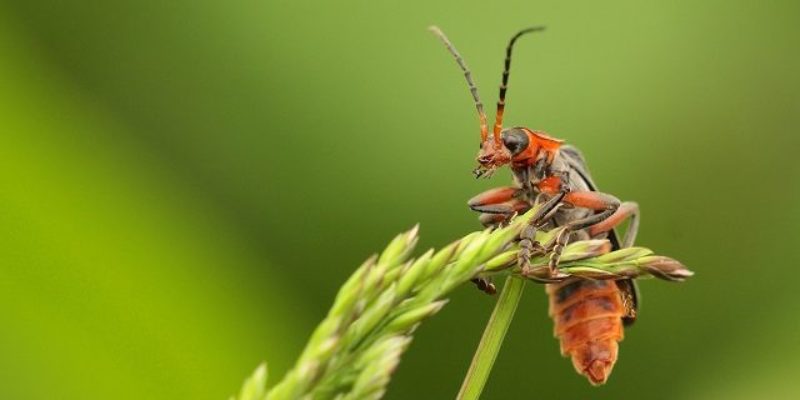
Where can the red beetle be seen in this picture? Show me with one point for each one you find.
(588, 315)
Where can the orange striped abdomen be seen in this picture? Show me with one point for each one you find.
(588, 321)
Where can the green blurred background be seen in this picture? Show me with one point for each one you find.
(184, 185)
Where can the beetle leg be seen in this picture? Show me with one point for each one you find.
(494, 196)
(484, 285)
(498, 205)
(528, 247)
(496, 220)
(605, 203)
(528, 244)
(625, 210)
(626, 286)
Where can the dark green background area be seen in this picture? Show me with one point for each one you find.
(184, 185)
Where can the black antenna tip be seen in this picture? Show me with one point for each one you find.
(534, 28)
(538, 28)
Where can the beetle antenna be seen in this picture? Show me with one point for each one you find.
(468, 75)
(501, 102)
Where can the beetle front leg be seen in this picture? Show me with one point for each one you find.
(498, 205)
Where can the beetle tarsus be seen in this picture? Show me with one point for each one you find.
(485, 285)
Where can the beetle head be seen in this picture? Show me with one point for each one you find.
(519, 146)
(492, 155)
(504, 144)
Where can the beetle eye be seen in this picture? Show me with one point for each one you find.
(515, 141)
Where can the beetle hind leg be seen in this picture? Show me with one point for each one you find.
(627, 210)
(609, 214)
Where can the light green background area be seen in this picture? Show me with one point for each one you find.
(184, 185)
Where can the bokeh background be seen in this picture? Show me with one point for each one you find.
(184, 185)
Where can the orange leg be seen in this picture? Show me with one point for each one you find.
(498, 205)
(606, 204)
(493, 197)
(625, 210)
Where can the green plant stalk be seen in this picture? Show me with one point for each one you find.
(492, 339)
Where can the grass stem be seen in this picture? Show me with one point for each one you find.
(492, 339)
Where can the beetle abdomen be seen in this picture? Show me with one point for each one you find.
(588, 321)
